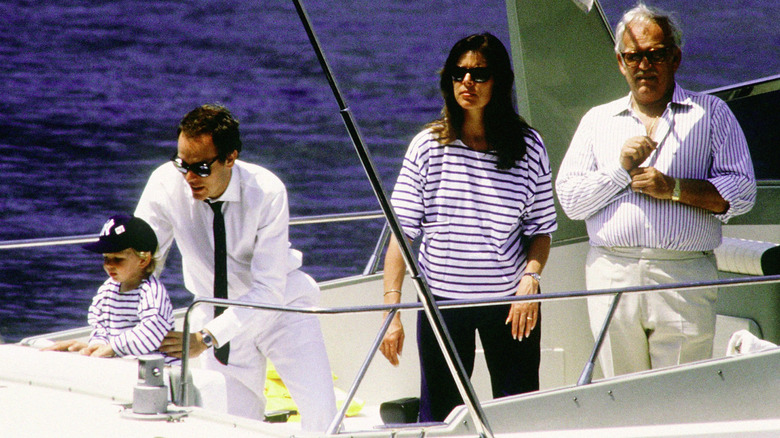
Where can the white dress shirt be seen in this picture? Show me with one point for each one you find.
(259, 256)
(698, 138)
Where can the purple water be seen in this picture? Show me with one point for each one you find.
(90, 95)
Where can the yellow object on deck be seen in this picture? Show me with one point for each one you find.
(278, 398)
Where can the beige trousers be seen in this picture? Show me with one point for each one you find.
(654, 329)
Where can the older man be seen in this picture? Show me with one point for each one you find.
(654, 175)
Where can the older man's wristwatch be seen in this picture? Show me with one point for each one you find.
(207, 338)
(676, 190)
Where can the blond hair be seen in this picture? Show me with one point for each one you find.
(149, 270)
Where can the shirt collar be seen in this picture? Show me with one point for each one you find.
(679, 97)
(233, 191)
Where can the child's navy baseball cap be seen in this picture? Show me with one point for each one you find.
(121, 232)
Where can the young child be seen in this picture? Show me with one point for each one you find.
(132, 311)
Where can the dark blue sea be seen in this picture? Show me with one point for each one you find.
(91, 93)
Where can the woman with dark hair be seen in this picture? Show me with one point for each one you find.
(476, 187)
(503, 127)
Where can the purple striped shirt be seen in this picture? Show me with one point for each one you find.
(471, 215)
(698, 138)
(133, 322)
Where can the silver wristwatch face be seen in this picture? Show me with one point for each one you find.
(207, 339)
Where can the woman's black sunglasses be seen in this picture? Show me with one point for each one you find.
(202, 169)
(478, 74)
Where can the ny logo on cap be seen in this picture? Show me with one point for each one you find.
(107, 228)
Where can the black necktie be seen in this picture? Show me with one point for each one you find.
(220, 272)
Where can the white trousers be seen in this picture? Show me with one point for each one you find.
(654, 329)
(295, 345)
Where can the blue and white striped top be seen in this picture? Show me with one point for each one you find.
(472, 216)
(133, 322)
(698, 137)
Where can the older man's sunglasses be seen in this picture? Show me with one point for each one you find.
(653, 56)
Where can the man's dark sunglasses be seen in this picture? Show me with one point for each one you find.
(654, 56)
(478, 74)
(202, 169)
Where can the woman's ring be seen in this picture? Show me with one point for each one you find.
(529, 318)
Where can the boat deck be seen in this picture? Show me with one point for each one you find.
(50, 389)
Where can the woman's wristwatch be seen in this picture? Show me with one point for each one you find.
(535, 276)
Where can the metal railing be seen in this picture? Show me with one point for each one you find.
(371, 267)
(335, 426)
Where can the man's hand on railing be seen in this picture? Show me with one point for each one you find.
(172, 344)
